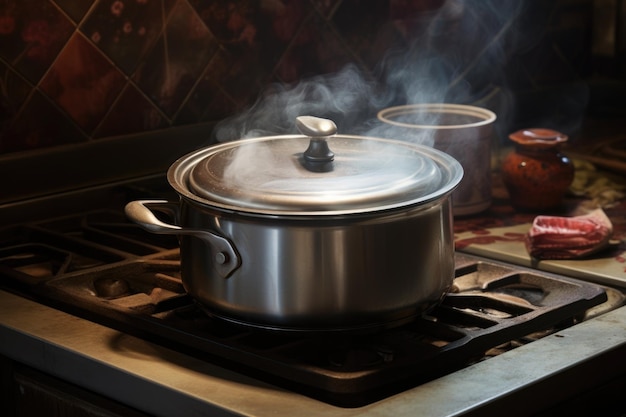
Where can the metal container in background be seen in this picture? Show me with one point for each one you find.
(465, 132)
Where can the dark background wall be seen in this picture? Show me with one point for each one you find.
(77, 71)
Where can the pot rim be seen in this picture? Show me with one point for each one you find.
(181, 171)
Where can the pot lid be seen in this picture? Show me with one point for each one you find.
(315, 174)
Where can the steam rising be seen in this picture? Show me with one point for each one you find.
(341, 97)
(458, 55)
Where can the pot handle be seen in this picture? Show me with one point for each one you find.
(226, 258)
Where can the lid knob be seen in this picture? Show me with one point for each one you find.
(318, 157)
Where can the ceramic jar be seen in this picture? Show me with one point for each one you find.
(535, 173)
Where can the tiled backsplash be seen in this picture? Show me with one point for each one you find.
(81, 70)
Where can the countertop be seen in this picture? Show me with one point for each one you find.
(498, 233)
(162, 382)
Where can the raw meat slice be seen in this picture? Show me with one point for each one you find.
(553, 237)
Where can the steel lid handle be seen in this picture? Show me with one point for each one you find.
(318, 156)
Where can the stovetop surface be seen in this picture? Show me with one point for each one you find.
(99, 266)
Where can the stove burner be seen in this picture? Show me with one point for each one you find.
(97, 267)
(111, 287)
(43, 261)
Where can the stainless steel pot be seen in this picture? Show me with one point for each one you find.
(319, 232)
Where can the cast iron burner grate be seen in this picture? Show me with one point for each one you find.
(101, 267)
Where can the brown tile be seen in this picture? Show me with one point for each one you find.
(31, 35)
(407, 10)
(39, 125)
(83, 83)
(212, 106)
(546, 66)
(132, 112)
(172, 68)
(209, 101)
(284, 23)
(11, 43)
(126, 29)
(365, 17)
(326, 7)
(255, 34)
(316, 50)
(240, 75)
(13, 92)
(366, 28)
(75, 9)
(231, 21)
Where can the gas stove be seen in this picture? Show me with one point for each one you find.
(95, 267)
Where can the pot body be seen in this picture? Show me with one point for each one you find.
(365, 244)
(349, 272)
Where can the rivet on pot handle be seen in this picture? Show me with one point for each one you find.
(226, 258)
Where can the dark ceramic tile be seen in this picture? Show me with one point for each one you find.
(39, 125)
(476, 28)
(208, 100)
(326, 7)
(212, 106)
(132, 112)
(366, 28)
(32, 32)
(413, 18)
(279, 25)
(11, 43)
(255, 34)
(177, 61)
(287, 40)
(516, 74)
(547, 66)
(75, 9)
(386, 41)
(364, 17)
(533, 54)
(315, 50)
(230, 21)
(126, 29)
(241, 75)
(460, 56)
(469, 49)
(572, 37)
(83, 83)
(574, 48)
(13, 92)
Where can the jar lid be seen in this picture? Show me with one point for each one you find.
(271, 175)
(539, 137)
